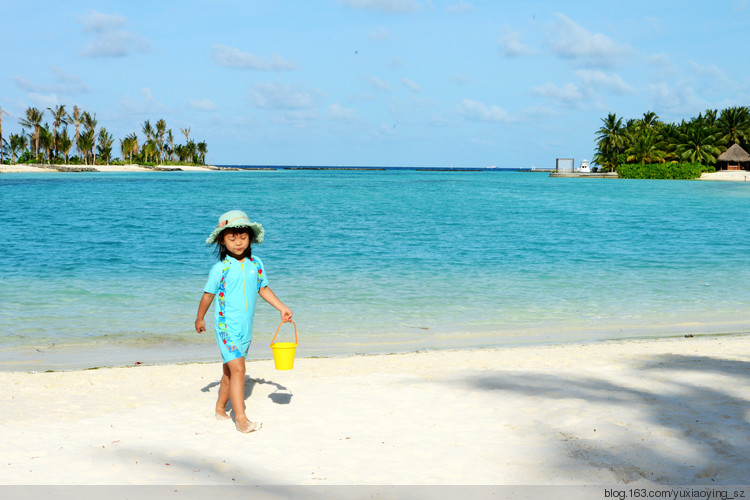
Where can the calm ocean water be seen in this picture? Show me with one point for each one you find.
(99, 269)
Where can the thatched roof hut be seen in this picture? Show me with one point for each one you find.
(734, 158)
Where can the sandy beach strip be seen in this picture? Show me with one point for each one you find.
(727, 175)
(641, 412)
(26, 168)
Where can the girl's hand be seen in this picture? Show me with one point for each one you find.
(200, 325)
(286, 314)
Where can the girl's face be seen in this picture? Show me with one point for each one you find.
(236, 243)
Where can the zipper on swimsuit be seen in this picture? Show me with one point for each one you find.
(244, 285)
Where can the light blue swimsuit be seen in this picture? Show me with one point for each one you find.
(236, 285)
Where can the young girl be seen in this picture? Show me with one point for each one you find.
(236, 279)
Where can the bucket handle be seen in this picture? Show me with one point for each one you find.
(279, 328)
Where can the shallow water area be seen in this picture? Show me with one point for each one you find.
(370, 261)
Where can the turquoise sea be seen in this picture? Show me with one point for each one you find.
(106, 269)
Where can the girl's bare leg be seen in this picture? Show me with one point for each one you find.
(221, 402)
(237, 395)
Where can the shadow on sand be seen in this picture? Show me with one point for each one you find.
(281, 395)
(710, 420)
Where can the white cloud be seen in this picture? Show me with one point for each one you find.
(65, 84)
(411, 85)
(397, 62)
(110, 39)
(202, 104)
(569, 94)
(479, 111)
(461, 79)
(678, 98)
(598, 78)
(338, 112)
(97, 22)
(387, 129)
(662, 64)
(235, 58)
(459, 7)
(44, 100)
(511, 44)
(146, 105)
(571, 41)
(713, 77)
(380, 84)
(379, 34)
(279, 96)
(437, 120)
(383, 5)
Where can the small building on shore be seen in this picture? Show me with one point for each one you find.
(734, 158)
(564, 165)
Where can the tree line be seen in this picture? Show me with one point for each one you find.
(647, 140)
(53, 144)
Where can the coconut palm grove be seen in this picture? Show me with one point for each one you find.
(71, 137)
(650, 148)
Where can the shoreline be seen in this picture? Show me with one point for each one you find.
(110, 351)
(637, 412)
(48, 168)
(74, 356)
(722, 175)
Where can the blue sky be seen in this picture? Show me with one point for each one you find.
(376, 82)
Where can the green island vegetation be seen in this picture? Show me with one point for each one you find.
(43, 144)
(648, 148)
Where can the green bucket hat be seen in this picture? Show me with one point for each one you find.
(237, 218)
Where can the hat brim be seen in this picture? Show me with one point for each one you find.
(257, 232)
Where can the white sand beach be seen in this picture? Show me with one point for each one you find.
(26, 168)
(727, 175)
(641, 412)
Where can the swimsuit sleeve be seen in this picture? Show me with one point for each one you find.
(214, 279)
(262, 280)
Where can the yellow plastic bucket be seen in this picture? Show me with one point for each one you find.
(283, 352)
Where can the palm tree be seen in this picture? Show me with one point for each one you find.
(129, 146)
(64, 143)
(698, 145)
(710, 117)
(650, 120)
(76, 120)
(734, 126)
(105, 144)
(190, 151)
(2, 111)
(59, 117)
(18, 143)
(89, 121)
(149, 149)
(646, 148)
(85, 144)
(170, 141)
(610, 142)
(670, 135)
(202, 150)
(161, 128)
(186, 131)
(148, 130)
(33, 120)
(45, 142)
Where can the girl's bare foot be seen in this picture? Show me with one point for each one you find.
(247, 426)
(221, 414)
